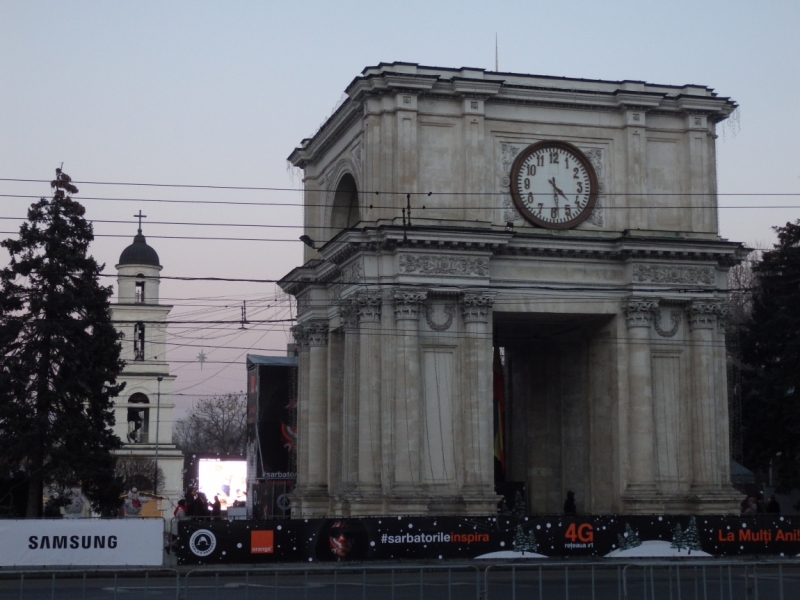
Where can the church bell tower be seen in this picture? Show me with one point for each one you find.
(144, 410)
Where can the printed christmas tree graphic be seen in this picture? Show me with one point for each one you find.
(525, 542)
(630, 539)
(678, 540)
(691, 537)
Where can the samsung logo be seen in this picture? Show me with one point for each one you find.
(40, 542)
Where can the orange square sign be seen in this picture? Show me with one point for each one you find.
(262, 542)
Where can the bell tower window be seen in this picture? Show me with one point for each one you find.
(138, 296)
(138, 341)
(138, 419)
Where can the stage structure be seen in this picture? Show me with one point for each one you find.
(571, 224)
(144, 411)
(271, 434)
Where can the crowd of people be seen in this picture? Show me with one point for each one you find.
(755, 505)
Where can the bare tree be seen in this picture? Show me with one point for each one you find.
(137, 471)
(742, 282)
(216, 425)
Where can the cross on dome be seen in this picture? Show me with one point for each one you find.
(140, 216)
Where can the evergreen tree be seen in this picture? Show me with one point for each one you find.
(771, 354)
(630, 539)
(60, 354)
(678, 538)
(691, 536)
(525, 542)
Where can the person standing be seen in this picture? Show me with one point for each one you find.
(569, 505)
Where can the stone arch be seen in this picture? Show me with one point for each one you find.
(343, 198)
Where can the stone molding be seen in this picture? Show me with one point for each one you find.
(317, 333)
(303, 303)
(449, 310)
(476, 307)
(673, 274)
(639, 312)
(439, 264)
(675, 318)
(368, 307)
(407, 305)
(705, 314)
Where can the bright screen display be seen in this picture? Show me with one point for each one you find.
(226, 479)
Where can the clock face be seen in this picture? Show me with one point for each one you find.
(553, 185)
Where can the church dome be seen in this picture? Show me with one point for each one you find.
(139, 253)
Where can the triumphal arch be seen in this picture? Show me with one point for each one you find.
(569, 223)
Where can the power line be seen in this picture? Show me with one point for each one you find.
(380, 192)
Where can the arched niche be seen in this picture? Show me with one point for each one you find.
(138, 419)
(345, 210)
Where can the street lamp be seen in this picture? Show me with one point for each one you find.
(158, 421)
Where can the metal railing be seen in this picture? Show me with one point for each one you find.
(336, 582)
(696, 579)
(80, 583)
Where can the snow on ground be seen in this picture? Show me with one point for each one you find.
(510, 554)
(652, 548)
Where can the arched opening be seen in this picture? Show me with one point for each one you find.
(139, 292)
(345, 212)
(138, 419)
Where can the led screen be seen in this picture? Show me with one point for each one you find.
(226, 479)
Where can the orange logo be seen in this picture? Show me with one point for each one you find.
(262, 542)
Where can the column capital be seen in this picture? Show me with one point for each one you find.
(368, 307)
(476, 307)
(300, 337)
(408, 304)
(349, 314)
(703, 314)
(317, 333)
(639, 312)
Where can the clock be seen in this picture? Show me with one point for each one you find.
(553, 185)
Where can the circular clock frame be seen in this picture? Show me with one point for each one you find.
(516, 193)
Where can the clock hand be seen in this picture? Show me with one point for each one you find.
(557, 189)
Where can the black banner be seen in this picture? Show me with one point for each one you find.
(489, 538)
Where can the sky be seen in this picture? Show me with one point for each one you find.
(219, 93)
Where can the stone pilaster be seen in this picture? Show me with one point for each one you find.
(316, 333)
(639, 314)
(349, 445)
(298, 332)
(408, 306)
(368, 309)
(478, 477)
(702, 322)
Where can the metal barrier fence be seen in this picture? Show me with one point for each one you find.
(434, 582)
(598, 580)
(91, 583)
(645, 580)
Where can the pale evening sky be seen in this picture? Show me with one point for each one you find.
(219, 93)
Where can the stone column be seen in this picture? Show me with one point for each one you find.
(298, 331)
(639, 313)
(368, 307)
(702, 322)
(408, 393)
(317, 337)
(349, 316)
(477, 400)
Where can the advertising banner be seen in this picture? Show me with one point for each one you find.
(85, 542)
(489, 538)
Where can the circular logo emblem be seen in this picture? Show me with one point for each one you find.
(202, 542)
(283, 502)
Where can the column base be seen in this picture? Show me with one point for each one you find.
(309, 502)
(716, 500)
